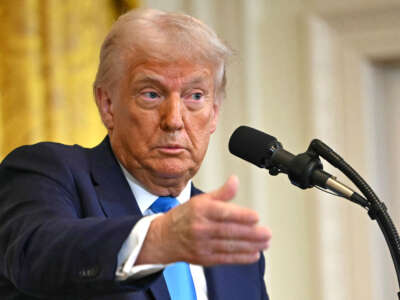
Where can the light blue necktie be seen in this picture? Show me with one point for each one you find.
(177, 276)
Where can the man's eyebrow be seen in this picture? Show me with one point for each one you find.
(196, 80)
(193, 79)
(147, 77)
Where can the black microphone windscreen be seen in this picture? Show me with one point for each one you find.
(251, 145)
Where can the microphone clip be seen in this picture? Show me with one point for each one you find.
(302, 170)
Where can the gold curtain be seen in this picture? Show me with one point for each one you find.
(49, 53)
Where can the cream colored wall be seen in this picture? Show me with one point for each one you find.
(299, 73)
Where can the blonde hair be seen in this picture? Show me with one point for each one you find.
(162, 36)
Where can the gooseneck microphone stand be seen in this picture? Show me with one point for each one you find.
(301, 172)
(376, 209)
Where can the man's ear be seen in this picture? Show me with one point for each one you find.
(105, 105)
(214, 117)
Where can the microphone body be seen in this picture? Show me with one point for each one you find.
(265, 151)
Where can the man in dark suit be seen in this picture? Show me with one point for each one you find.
(113, 221)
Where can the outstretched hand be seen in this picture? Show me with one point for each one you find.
(206, 230)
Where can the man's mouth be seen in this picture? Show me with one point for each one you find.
(171, 149)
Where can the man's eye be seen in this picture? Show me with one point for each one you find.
(150, 95)
(197, 96)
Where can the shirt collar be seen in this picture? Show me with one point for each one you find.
(145, 199)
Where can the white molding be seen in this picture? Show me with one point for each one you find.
(329, 8)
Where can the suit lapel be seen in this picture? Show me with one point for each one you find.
(112, 188)
(226, 282)
(116, 197)
(215, 278)
(159, 289)
(233, 282)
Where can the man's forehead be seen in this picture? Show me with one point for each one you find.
(175, 71)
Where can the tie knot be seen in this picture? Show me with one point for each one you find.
(163, 204)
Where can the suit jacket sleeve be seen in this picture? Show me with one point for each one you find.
(55, 238)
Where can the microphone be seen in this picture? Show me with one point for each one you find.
(304, 170)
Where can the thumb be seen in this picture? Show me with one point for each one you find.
(227, 191)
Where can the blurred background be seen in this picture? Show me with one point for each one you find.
(302, 69)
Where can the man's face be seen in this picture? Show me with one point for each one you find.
(160, 118)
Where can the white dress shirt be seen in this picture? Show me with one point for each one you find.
(131, 247)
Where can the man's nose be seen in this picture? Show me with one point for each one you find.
(171, 113)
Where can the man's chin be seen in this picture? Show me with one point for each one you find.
(169, 174)
(166, 179)
(173, 173)
(168, 182)
(173, 168)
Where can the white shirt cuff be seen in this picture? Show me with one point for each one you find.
(130, 250)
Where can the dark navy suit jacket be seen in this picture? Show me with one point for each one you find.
(65, 212)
